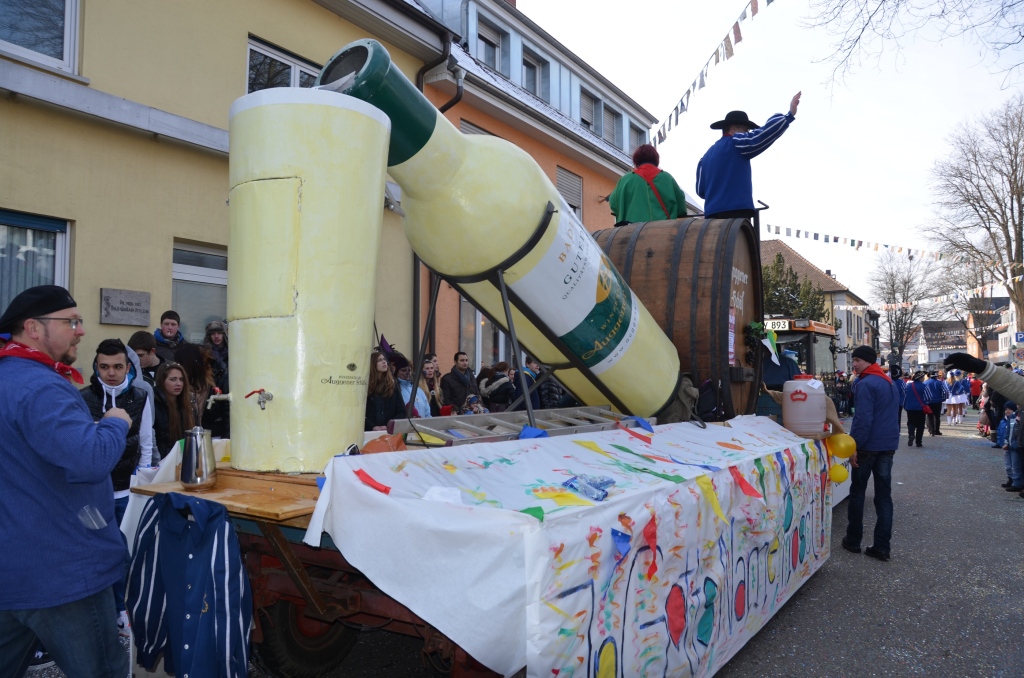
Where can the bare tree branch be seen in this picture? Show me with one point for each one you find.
(979, 191)
(899, 279)
(866, 28)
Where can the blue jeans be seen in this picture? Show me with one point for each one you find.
(80, 636)
(1014, 466)
(880, 465)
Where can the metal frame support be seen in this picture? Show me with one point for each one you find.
(297, 573)
(435, 288)
(500, 275)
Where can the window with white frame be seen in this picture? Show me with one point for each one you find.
(199, 287)
(587, 105)
(271, 67)
(33, 251)
(570, 187)
(488, 45)
(531, 74)
(44, 31)
(610, 124)
(636, 138)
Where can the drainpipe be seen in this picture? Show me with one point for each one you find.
(460, 77)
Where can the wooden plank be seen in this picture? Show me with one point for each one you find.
(267, 496)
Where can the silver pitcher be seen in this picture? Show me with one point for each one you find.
(198, 464)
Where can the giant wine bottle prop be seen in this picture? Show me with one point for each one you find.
(477, 205)
(307, 172)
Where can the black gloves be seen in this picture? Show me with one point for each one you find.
(965, 362)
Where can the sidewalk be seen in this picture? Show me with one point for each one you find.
(948, 603)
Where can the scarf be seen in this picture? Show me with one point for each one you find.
(647, 172)
(464, 378)
(15, 349)
(161, 339)
(875, 370)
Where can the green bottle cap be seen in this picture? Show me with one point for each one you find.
(363, 69)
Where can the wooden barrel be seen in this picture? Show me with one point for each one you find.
(701, 280)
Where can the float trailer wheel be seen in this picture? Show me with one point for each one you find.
(295, 646)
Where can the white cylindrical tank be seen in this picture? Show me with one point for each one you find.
(804, 407)
(307, 173)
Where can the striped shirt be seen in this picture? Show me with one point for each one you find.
(723, 174)
(188, 594)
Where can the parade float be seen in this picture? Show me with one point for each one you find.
(588, 542)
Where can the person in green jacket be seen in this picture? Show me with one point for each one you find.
(647, 193)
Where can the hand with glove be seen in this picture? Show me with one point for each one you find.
(965, 362)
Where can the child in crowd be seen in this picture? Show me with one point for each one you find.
(1010, 440)
(474, 406)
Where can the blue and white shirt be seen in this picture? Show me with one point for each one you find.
(188, 594)
(723, 174)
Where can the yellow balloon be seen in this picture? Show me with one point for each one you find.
(841, 445)
(838, 473)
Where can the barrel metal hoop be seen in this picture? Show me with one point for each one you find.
(673, 279)
(489, 274)
(694, 287)
(630, 249)
(611, 238)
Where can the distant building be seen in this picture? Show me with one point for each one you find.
(857, 326)
(936, 339)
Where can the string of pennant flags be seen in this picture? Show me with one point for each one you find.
(983, 290)
(857, 245)
(723, 52)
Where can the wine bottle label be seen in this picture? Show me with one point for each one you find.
(580, 296)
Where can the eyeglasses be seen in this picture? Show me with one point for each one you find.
(73, 323)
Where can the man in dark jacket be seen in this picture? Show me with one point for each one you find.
(933, 387)
(876, 430)
(459, 383)
(168, 336)
(112, 386)
(144, 345)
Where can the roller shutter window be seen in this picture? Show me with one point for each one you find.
(610, 126)
(587, 110)
(488, 46)
(636, 138)
(467, 127)
(570, 186)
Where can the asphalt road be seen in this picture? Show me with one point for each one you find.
(950, 602)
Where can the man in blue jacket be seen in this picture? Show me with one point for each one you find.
(876, 430)
(723, 174)
(935, 388)
(62, 550)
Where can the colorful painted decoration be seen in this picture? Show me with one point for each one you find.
(702, 537)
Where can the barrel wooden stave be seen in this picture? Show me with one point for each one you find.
(693, 275)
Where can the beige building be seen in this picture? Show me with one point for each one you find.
(113, 127)
(857, 323)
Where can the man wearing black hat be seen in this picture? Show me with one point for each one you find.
(723, 174)
(62, 550)
(876, 430)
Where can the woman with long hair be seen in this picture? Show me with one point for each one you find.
(198, 366)
(499, 392)
(431, 385)
(172, 411)
(383, 398)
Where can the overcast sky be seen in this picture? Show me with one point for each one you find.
(857, 161)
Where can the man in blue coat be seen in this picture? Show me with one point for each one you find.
(876, 430)
(62, 550)
(723, 174)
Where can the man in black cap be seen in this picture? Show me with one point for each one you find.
(876, 430)
(62, 550)
(723, 174)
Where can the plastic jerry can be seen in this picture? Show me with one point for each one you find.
(803, 406)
